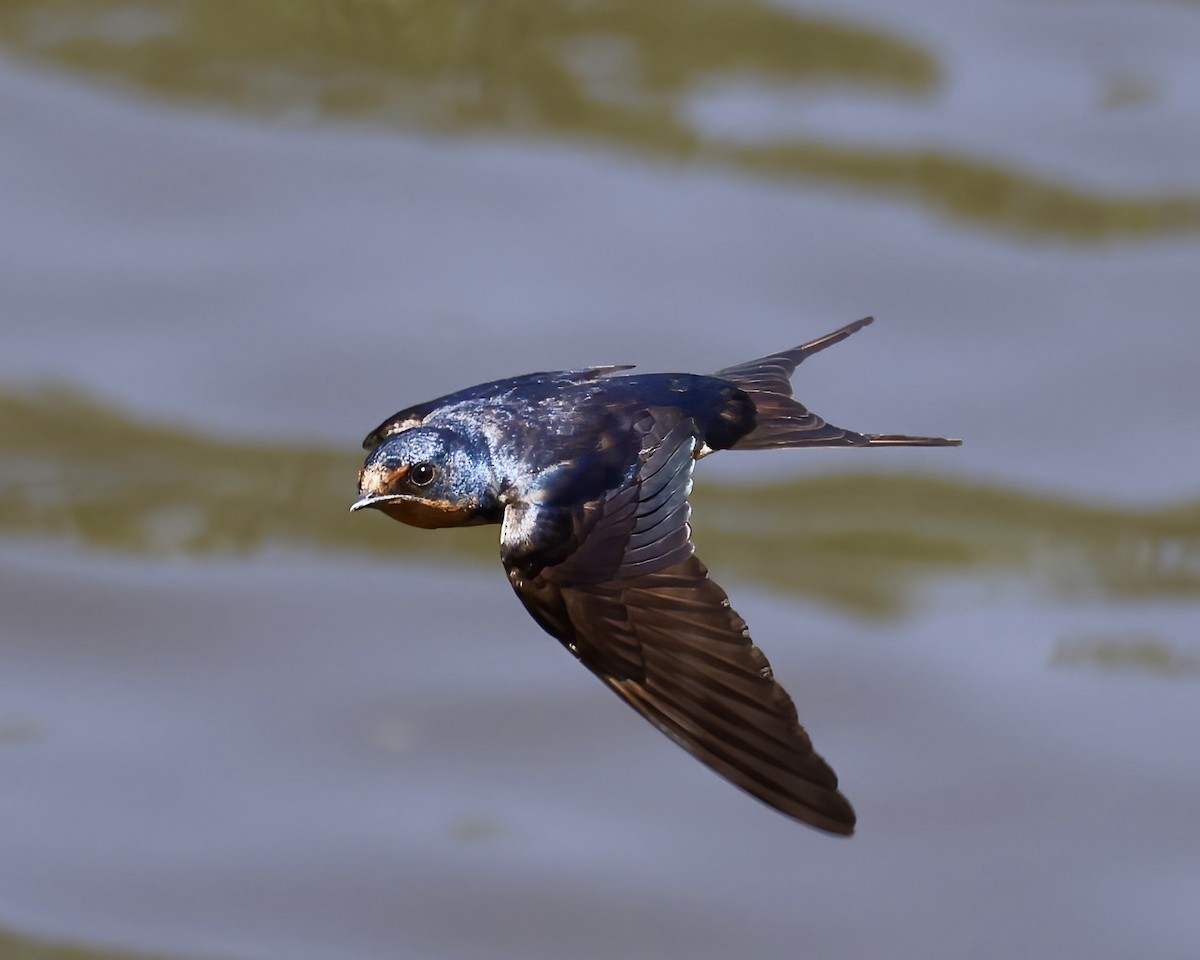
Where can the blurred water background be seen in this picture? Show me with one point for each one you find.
(234, 236)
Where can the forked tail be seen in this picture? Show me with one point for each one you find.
(785, 422)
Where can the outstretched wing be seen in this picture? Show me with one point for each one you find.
(616, 581)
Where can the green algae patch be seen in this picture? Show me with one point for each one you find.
(864, 541)
(974, 191)
(615, 74)
(1125, 653)
(453, 64)
(73, 470)
(16, 947)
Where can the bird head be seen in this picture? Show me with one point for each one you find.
(429, 477)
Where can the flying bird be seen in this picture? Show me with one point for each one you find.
(588, 475)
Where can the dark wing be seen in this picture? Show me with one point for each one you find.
(636, 606)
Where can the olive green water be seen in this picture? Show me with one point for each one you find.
(858, 541)
(23, 948)
(616, 74)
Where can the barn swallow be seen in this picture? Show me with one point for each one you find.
(588, 475)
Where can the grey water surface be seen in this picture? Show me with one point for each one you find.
(236, 722)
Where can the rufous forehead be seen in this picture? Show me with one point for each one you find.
(378, 479)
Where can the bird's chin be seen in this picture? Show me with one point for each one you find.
(417, 512)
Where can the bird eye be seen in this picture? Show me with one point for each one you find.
(422, 474)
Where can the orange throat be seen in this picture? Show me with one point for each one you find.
(428, 514)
